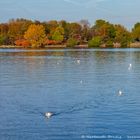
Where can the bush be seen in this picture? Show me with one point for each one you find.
(3, 40)
(22, 42)
(125, 42)
(109, 44)
(95, 42)
(71, 42)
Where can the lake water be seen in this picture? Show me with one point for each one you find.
(82, 95)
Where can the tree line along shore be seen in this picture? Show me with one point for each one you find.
(24, 33)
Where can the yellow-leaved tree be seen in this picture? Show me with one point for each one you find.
(35, 35)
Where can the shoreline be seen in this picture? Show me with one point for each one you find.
(85, 46)
(45, 47)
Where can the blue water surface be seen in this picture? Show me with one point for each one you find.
(79, 86)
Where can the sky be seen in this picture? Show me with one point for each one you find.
(125, 12)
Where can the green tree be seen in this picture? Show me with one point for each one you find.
(3, 40)
(109, 43)
(71, 42)
(65, 26)
(105, 30)
(58, 34)
(136, 32)
(95, 42)
(122, 36)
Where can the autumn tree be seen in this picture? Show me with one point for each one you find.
(4, 39)
(23, 32)
(4, 28)
(17, 29)
(51, 26)
(85, 31)
(74, 29)
(35, 35)
(64, 25)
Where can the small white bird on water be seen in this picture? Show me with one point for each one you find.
(48, 115)
(57, 63)
(130, 66)
(120, 93)
(78, 61)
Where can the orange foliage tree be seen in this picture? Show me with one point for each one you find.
(17, 29)
(35, 35)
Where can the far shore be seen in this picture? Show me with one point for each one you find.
(45, 47)
(85, 46)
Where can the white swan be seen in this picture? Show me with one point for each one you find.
(48, 114)
(120, 93)
(78, 61)
(130, 66)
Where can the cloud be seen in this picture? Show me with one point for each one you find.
(84, 3)
(72, 2)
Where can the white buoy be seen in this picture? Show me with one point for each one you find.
(48, 115)
(120, 93)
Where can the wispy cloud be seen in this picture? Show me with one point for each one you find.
(83, 2)
(73, 2)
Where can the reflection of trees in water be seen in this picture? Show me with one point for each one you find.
(39, 53)
(78, 53)
(105, 57)
(33, 53)
(36, 60)
(30, 59)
